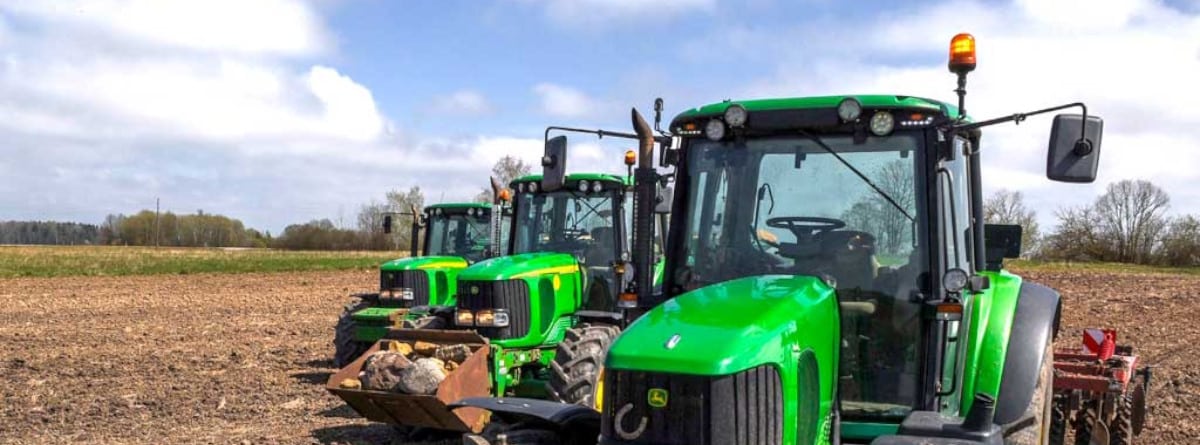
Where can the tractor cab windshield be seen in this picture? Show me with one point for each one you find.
(455, 232)
(569, 221)
(845, 212)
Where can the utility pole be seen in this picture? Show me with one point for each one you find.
(157, 226)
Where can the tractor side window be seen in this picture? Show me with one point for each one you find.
(955, 219)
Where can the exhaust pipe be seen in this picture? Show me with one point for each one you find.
(497, 213)
(644, 197)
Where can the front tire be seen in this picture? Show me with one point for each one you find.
(1041, 405)
(346, 348)
(577, 362)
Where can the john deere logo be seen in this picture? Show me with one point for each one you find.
(657, 397)
(474, 290)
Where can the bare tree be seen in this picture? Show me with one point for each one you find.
(1008, 207)
(506, 170)
(1131, 216)
(1180, 244)
(875, 215)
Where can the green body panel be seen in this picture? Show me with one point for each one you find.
(542, 272)
(445, 266)
(989, 318)
(374, 314)
(737, 325)
(794, 103)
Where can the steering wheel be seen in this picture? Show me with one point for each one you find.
(805, 226)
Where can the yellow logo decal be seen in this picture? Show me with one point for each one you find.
(657, 397)
(557, 282)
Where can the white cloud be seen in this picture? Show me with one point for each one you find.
(463, 102)
(591, 14)
(285, 27)
(565, 102)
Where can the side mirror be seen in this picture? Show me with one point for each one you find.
(1074, 157)
(1001, 241)
(554, 164)
(662, 202)
(387, 223)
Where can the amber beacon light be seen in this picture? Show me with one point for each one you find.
(962, 53)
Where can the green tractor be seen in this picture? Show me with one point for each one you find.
(413, 290)
(829, 279)
(537, 321)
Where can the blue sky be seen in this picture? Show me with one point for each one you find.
(282, 111)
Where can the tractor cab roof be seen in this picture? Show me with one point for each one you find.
(817, 109)
(457, 207)
(576, 177)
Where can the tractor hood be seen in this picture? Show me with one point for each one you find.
(525, 265)
(423, 263)
(731, 326)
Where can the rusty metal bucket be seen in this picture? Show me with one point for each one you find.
(471, 379)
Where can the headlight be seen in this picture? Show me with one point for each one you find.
(597, 187)
(439, 211)
(406, 294)
(533, 187)
(849, 109)
(492, 317)
(464, 317)
(583, 185)
(714, 130)
(882, 123)
(735, 115)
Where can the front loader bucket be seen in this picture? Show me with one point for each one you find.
(471, 379)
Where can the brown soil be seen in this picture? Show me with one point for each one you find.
(1160, 316)
(243, 358)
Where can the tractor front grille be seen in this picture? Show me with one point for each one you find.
(417, 280)
(740, 409)
(512, 295)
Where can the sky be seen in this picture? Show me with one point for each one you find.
(283, 111)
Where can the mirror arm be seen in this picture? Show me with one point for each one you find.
(1019, 117)
(599, 133)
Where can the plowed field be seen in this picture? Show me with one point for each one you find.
(241, 358)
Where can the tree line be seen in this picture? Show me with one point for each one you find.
(48, 232)
(1127, 224)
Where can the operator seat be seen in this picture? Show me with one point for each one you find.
(599, 252)
(851, 256)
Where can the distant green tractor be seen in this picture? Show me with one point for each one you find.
(413, 290)
(538, 320)
(829, 279)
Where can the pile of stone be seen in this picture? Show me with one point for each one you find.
(409, 368)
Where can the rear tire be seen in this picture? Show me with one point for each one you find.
(1058, 424)
(1040, 407)
(577, 363)
(1121, 427)
(346, 348)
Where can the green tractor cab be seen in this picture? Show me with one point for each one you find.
(413, 290)
(827, 282)
(547, 312)
(829, 279)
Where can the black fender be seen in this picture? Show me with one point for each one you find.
(567, 419)
(1035, 322)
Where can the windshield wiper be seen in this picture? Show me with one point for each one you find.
(878, 190)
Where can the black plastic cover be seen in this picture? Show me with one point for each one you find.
(1065, 161)
(1034, 324)
(1001, 241)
